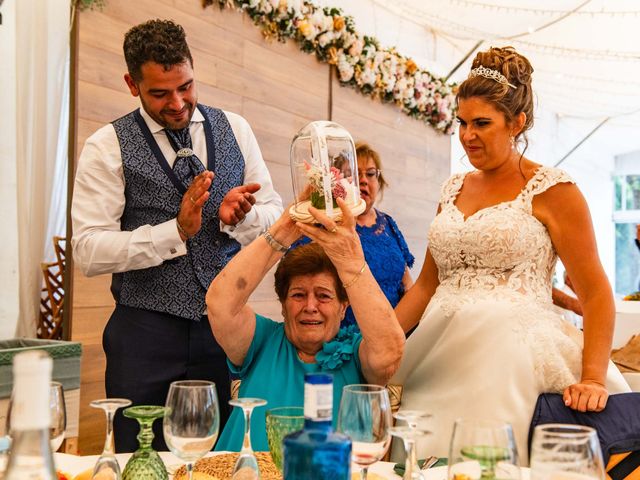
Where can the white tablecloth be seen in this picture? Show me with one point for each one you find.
(74, 464)
(627, 322)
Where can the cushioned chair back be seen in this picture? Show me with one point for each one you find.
(618, 427)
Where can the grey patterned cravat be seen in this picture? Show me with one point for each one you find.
(187, 165)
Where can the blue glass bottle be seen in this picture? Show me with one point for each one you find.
(317, 452)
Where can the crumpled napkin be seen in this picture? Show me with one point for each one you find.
(627, 358)
(399, 467)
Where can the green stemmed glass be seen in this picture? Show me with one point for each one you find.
(145, 463)
(483, 450)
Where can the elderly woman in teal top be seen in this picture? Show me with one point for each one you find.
(315, 284)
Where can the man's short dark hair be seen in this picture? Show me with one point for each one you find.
(160, 41)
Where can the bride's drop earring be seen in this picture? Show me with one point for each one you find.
(512, 139)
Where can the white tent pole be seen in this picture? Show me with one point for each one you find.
(582, 141)
(464, 59)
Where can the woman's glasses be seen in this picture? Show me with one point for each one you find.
(369, 173)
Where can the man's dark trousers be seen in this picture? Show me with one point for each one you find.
(145, 352)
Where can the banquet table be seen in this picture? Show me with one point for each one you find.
(627, 322)
(74, 464)
(627, 325)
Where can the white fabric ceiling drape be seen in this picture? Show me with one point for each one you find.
(587, 68)
(42, 46)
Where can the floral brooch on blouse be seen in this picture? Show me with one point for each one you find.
(337, 351)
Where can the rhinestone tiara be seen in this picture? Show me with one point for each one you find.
(491, 74)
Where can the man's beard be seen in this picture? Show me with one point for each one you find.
(166, 121)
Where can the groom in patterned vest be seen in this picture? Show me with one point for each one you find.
(164, 197)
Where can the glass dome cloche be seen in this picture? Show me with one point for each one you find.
(324, 167)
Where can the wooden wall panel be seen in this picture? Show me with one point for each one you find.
(85, 129)
(104, 102)
(278, 89)
(103, 67)
(102, 30)
(220, 98)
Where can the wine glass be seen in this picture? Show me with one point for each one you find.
(483, 450)
(410, 434)
(58, 413)
(107, 466)
(566, 452)
(411, 417)
(282, 421)
(365, 416)
(58, 410)
(192, 420)
(247, 466)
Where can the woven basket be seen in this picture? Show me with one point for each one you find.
(220, 467)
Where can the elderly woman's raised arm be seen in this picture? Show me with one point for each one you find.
(232, 320)
(382, 338)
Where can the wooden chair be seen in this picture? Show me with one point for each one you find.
(52, 297)
(59, 248)
(395, 396)
(235, 388)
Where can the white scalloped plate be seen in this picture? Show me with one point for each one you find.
(300, 212)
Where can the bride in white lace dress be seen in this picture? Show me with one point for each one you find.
(490, 341)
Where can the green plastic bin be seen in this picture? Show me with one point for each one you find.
(66, 361)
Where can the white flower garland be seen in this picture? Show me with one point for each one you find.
(377, 72)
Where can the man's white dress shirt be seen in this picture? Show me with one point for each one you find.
(99, 246)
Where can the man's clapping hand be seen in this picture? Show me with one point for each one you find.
(237, 203)
(190, 216)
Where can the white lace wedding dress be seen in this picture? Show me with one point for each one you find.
(490, 341)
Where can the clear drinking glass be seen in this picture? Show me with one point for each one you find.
(411, 417)
(282, 421)
(566, 452)
(192, 420)
(410, 434)
(365, 416)
(483, 450)
(247, 466)
(107, 467)
(58, 411)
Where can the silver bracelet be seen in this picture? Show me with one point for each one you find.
(182, 230)
(273, 243)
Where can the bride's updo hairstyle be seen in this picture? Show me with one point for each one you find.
(511, 96)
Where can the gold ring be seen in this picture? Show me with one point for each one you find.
(334, 230)
(192, 200)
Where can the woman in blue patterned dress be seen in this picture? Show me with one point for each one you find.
(385, 249)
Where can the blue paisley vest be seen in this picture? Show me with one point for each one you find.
(153, 194)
